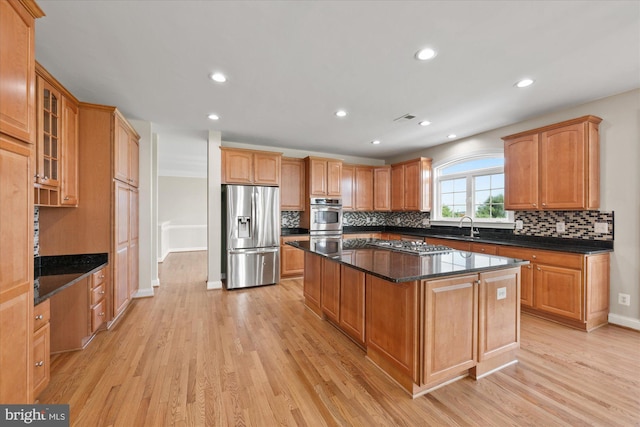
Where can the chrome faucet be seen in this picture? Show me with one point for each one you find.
(472, 232)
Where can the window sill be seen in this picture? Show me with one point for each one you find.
(476, 224)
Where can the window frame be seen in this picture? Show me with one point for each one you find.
(437, 218)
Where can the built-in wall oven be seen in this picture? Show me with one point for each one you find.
(325, 216)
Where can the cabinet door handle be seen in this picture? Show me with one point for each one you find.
(538, 268)
(101, 292)
(39, 317)
(482, 250)
(101, 314)
(533, 256)
(534, 204)
(39, 364)
(544, 204)
(66, 198)
(102, 277)
(529, 267)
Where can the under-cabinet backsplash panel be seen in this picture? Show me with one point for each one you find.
(400, 219)
(36, 231)
(578, 224)
(289, 219)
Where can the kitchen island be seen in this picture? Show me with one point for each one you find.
(425, 320)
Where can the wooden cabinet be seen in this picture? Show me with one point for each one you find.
(41, 347)
(241, 166)
(17, 70)
(97, 304)
(484, 248)
(56, 177)
(16, 269)
(324, 177)
(352, 303)
(450, 304)
(69, 167)
(348, 186)
(411, 185)
(460, 245)
(554, 167)
(382, 188)
(108, 211)
(313, 282)
(17, 155)
(127, 152)
(357, 188)
(291, 259)
(330, 299)
(292, 185)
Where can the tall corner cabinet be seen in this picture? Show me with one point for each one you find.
(17, 157)
(108, 212)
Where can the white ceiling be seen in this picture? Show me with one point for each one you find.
(292, 64)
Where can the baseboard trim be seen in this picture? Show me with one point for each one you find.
(214, 284)
(143, 293)
(627, 322)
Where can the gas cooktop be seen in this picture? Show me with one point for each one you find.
(416, 247)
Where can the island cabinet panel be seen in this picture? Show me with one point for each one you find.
(352, 304)
(313, 282)
(450, 305)
(291, 259)
(392, 327)
(498, 313)
(330, 290)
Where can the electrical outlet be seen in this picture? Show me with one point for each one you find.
(519, 224)
(397, 220)
(560, 227)
(501, 293)
(368, 220)
(425, 221)
(624, 299)
(600, 227)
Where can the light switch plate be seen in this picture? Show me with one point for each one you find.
(502, 293)
(560, 227)
(600, 227)
(519, 224)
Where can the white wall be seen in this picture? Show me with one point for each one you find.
(619, 183)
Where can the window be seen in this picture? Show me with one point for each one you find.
(473, 187)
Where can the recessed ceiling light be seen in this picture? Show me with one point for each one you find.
(524, 83)
(451, 135)
(376, 142)
(218, 77)
(424, 123)
(213, 116)
(425, 54)
(341, 113)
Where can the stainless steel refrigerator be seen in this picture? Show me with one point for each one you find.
(251, 235)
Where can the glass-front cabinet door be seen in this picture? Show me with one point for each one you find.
(48, 145)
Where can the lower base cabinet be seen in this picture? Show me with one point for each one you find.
(291, 259)
(41, 347)
(352, 304)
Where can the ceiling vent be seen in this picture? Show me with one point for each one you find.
(404, 118)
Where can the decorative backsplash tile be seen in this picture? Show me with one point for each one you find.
(578, 224)
(363, 219)
(36, 231)
(289, 219)
(403, 219)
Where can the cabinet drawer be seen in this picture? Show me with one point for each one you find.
(97, 294)
(97, 316)
(41, 350)
(97, 278)
(41, 315)
(543, 257)
(484, 248)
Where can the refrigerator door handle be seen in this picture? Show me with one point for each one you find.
(254, 251)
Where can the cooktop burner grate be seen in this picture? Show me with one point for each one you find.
(416, 247)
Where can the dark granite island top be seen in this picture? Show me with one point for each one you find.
(405, 267)
(53, 274)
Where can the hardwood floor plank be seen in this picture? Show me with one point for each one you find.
(258, 357)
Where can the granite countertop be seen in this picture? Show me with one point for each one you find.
(399, 267)
(53, 274)
(496, 237)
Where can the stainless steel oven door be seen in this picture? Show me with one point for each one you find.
(326, 219)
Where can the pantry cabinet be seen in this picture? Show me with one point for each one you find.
(292, 184)
(17, 155)
(411, 185)
(250, 167)
(556, 167)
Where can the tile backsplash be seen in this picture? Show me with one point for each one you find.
(578, 224)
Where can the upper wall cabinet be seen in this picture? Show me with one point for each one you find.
(556, 167)
(324, 177)
(382, 188)
(249, 167)
(17, 69)
(56, 175)
(411, 185)
(127, 152)
(357, 188)
(292, 185)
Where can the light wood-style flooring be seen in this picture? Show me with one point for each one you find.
(257, 357)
